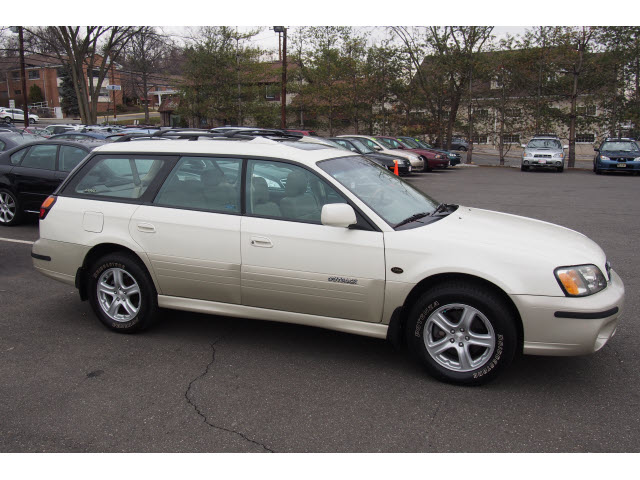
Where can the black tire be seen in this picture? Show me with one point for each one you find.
(560, 169)
(462, 149)
(489, 317)
(32, 121)
(10, 210)
(598, 171)
(145, 303)
(7, 119)
(524, 168)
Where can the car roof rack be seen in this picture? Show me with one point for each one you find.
(614, 139)
(552, 135)
(193, 134)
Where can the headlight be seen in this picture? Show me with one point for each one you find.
(581, 280)
(528, 154)
(604, 157)
(558, 155)
(438, 156)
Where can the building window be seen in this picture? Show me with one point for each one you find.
(481, 114)
(96, 72)
(445, 114)
(512, 112)
(18, 92)
(587, 110)
(480, 139)
(34, 74)
(585, 138)
(15, 75)
(270, 92)
(511, 138)
(495, 84)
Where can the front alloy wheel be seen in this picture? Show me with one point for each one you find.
(459, 337)
(462, 332)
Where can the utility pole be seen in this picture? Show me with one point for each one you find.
(470, 113)
(113, 79)
(283, 95)
(23, 76)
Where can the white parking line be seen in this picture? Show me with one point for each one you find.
(13, 240)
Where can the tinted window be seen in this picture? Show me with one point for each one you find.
(203, 183)
(281, 190)
(118, 177)
(70, 157)
(41, 156)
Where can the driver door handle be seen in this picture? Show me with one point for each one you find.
(262, 242)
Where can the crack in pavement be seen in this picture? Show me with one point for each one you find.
(204, 417)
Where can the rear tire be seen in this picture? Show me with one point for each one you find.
(122, 293)
(462, 333)
(10, 209)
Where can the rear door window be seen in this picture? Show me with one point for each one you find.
(40, 156)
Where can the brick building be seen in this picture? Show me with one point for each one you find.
(44, 71)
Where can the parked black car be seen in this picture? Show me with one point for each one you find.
(9, 140)
(31, 172)
(382, 159)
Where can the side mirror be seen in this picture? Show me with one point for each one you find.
(338, 215)
(377, 148)
(523, 145)
(596, 149)
(565, 146)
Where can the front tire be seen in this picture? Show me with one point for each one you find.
(122, 293)
(524, 168)
(462, 333)
(10, 209)
(560, 169)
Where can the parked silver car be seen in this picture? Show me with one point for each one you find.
(543, 151)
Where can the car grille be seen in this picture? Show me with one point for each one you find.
(541, 155)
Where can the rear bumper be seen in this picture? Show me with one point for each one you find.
(570, 326)
(58, 260)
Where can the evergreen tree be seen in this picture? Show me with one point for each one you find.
(67, 92)
(35, 94)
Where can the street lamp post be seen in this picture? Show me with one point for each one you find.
(283, 95)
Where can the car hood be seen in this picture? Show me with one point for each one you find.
(620, 154)
(517, 253)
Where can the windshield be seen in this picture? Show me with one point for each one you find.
(422, 143)
(620, 147)
(389, 142)
(385, 193)
(407, 142)
(545, 143)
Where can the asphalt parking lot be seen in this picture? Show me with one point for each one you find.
(197, 383)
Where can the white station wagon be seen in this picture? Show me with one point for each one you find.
(276, 229)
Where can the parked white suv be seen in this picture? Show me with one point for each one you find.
(9, 115)
(294, 232)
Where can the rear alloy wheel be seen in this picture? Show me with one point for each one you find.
(462, 333)
(10, 212)
(122, 294)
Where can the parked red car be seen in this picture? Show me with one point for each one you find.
(303, 132)
(433, 159)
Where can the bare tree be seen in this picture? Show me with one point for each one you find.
(143, 56)
(78, 48)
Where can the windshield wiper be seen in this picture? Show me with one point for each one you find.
(441, 208)
(412, 218)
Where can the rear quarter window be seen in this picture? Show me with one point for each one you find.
(116, 177)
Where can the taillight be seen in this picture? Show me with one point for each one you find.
(46, 206)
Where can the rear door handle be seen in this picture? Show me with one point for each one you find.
(146, 228)
(262, 242)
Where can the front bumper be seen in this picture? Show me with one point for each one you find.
(543, 162)
(563, 326)
(611, 165)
